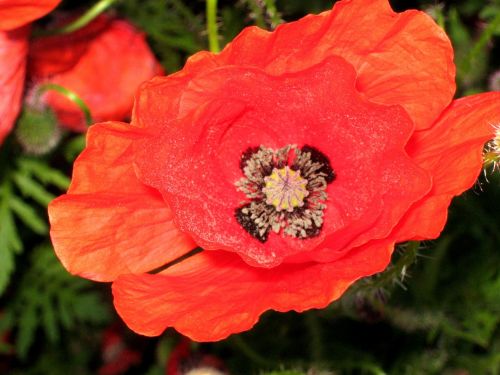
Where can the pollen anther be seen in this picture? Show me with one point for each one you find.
(286, 189)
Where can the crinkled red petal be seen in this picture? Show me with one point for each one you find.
(399, 58)
(106, 76)
(54, 54)
(13, 49)
(213, 294)
(452, 153)
(194, 161)
(16, 13)
(109, 223)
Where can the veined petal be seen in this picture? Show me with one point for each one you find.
(452, 152)
(227, 296)
(109, 223)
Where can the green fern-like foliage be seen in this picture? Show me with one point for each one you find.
(50, 302)
(25, 191)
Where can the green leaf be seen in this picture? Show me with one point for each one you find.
(32, 189)
(51, 300)
(44, 173)
(10, 243)
(27, 324)
(49, 320)
(73, 147)
(28, 215)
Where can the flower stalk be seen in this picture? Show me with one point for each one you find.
(83, 20)
(71, 95)
(213, 36)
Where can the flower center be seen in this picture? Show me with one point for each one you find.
(286, 191)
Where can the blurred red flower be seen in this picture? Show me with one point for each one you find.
(297, 159)
(117, 356)
(183, 360)
(14, 15)
(103, 63)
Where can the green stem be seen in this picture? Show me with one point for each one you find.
(213, 37)
(481, 43)
(249, 352)
(395, 272)
(315, 339)
(71, 95)
(441, 21)
(83, 20)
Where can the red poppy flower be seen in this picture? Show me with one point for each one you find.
(104, 63)
(183, 360)
(117, 356)
(13, 50)
(297, 159)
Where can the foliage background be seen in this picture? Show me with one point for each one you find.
(436, 310)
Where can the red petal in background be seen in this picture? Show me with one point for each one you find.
(109, 223)
(55, 54)
(16, 13)
(103, 68)
(13, 50)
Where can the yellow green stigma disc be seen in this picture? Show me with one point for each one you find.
(285, 189)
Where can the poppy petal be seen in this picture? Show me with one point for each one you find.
(15, 13)
(109, 223)
(452, 152)
(400, 61)
(106, 76)
(13, 49)
(227, 296)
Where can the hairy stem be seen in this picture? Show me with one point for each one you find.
(83, 20)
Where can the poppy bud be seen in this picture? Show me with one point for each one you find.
(492, 151)
(38, 131)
